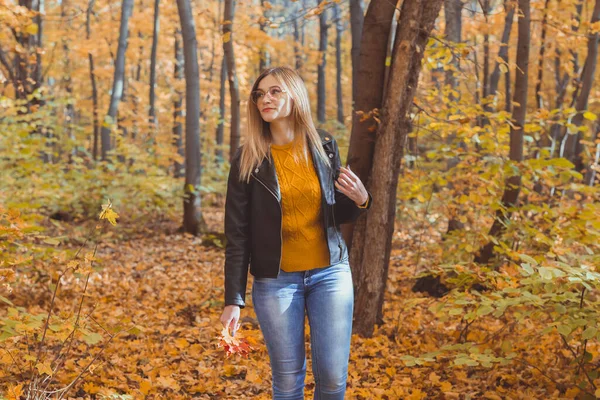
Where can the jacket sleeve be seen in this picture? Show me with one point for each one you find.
(345, 209)
(237, 233)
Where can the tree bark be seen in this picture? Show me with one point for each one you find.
(513, 182)
(503, 52)
(152, 112)
(370, 77)
(573, 145)
(321, 86)
(221, 125)
(264, 53)
(337, 17)
(192, 213)
(453, 15)
(357, 19)
(96, 125)
(177, 106)
(234, 92)
(417, 18)
(119, 76)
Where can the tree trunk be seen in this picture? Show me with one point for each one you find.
(177, 106)
(297, 44)
(337, 17)
(356, 26)
(540, 71)
(370, 77)
(503, 52)
(453, 15)
(321, 86)
(221, 125)
(152, 113)
(119, 76)
(513, 183)
(264, 21)
(486, 51)
(96, 129)
(573, 146)
(417, 18)
(192, 213)
(234, 92)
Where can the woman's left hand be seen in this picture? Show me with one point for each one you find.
(351, 185)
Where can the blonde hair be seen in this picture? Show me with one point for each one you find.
(258, 133)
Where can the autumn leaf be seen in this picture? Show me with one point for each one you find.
(233, 345)
(108, 213)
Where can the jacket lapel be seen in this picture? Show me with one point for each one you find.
(325, 178)
(267, 175)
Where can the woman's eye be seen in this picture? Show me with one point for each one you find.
(275, 91)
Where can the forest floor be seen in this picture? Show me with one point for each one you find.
(170, 287)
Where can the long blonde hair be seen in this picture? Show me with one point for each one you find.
(258, 133)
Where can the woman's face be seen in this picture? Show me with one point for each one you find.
(273, 103)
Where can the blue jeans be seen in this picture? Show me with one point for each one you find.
(327, 295)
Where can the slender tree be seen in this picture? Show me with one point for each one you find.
(321, 87)
(118, 79)
(357, 19)
(178, 104)
(337, 17)
(192, 213)
(152, 112)
(96, 125)
(234, 92)
(221, 124)
(513, 182)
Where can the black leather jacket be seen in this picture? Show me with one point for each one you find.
(253, 220)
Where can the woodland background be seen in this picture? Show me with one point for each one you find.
(473, 123)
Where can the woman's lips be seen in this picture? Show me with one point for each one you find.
(268, 109)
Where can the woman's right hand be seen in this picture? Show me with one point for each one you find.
(230, 318)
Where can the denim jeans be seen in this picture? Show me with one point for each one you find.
(327, 295)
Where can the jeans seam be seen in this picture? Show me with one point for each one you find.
(315, 361)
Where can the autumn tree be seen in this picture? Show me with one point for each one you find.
(118, 78)
(371, 257)
(234, 91)
(192, 214)
(513, 182)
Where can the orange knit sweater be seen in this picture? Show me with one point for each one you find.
(304, 244)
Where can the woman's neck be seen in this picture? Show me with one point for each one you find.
(282, 131)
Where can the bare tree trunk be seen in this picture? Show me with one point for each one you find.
(265, 59)
(453, 15)
(370, 77)
(152, 113)
(486, 51)
(417, 18)
(221, 125)
(503, 52)
(513, 183)
(573, 146)
(234, 92)
(337, 17)
(177, 106)
(356, 26)
(119, 76)
(540, 72)
(321, 86)
(192, 213)
(88, 33)
(297, 44)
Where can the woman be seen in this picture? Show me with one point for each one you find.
(283, 208)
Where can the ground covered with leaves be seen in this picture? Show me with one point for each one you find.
(150, 329)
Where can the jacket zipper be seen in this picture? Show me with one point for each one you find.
(280, 223)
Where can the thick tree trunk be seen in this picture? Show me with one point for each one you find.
(370, 78)
(356, 27)
(573, 145)
(321, 86)
(513, 183)
(337, 17)
(118, 79)
(152, 112)
(192, 212)
(234, 92)
(417, 18)
(221, 125)
(177, 106)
